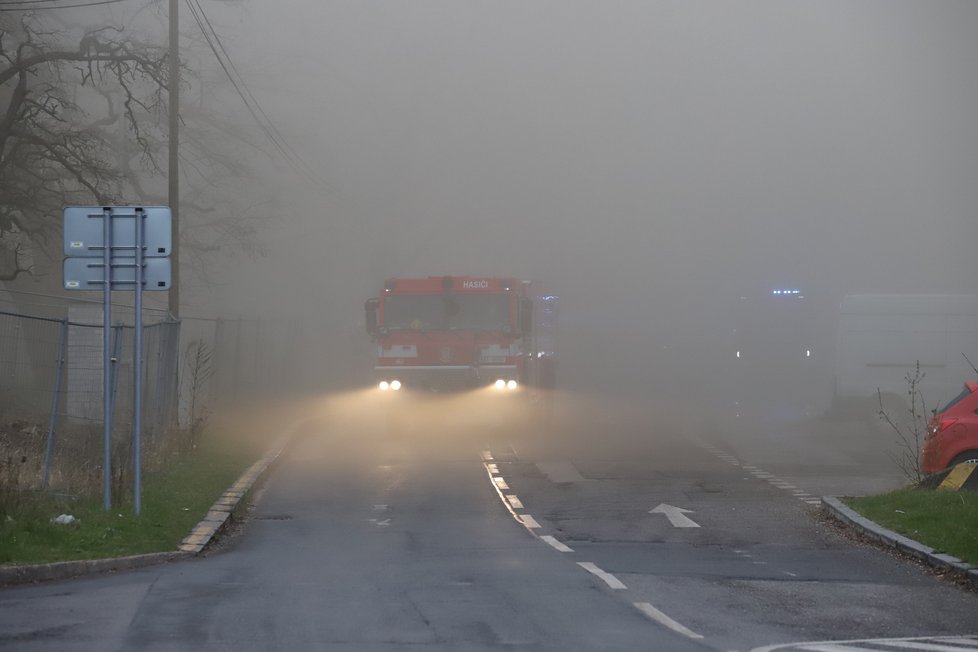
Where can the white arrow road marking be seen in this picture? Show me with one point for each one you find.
(675, 515)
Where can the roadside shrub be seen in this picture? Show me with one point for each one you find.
(911, 428)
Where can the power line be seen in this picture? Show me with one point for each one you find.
(26, 2)
(227, 64)
(247, 97)
(66, 299)
(268, 120)
(210, 43)
(4, 7)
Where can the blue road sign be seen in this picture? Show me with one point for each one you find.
(84, 233)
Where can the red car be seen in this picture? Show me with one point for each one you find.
(953, 436)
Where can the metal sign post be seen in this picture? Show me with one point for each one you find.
(137, 370)
(107, 359)
(136, 257)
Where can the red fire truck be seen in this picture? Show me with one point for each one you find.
(444, 334)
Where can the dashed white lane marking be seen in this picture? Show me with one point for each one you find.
(557, 545)
(529, 521)
(831, 647)
(933, 647)
(761, 474)
(486, 456)
(492, 468)
(665, 620)
(933, 644)
(515, 501)
(498, 483)
(608, 578)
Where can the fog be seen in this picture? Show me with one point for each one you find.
(649, 162)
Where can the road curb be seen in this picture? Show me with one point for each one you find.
(892, 539)
(962, 477)
(221, 512)
(217, 519)
(66, 569)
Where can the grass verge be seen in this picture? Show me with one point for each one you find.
(174, 499)
(947, 521)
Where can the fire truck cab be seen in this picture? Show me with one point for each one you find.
(455, 333)
(452, 335)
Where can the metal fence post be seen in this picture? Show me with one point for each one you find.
(237, 360)
(173, 374)
(137, 372)
(116, 344)
(56, 395)
(161, 334)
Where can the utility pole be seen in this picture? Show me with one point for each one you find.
(174, 172)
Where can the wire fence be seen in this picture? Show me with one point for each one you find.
(51, 409)
(51, 405)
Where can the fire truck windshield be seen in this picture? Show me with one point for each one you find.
(485, 312)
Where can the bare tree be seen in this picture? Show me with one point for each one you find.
(79, 115)
(912, 431)
(199, 360)
(83, 122)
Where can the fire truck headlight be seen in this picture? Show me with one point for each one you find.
(512, 384)
(500, 384)
(395, 385)
(384, 385)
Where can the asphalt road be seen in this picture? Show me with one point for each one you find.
(456, 537)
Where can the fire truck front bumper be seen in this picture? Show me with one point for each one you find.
(446, 378)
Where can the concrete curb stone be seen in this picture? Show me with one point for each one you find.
(216, 520)
(65, 569)
(878, 533)
(222, 511)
